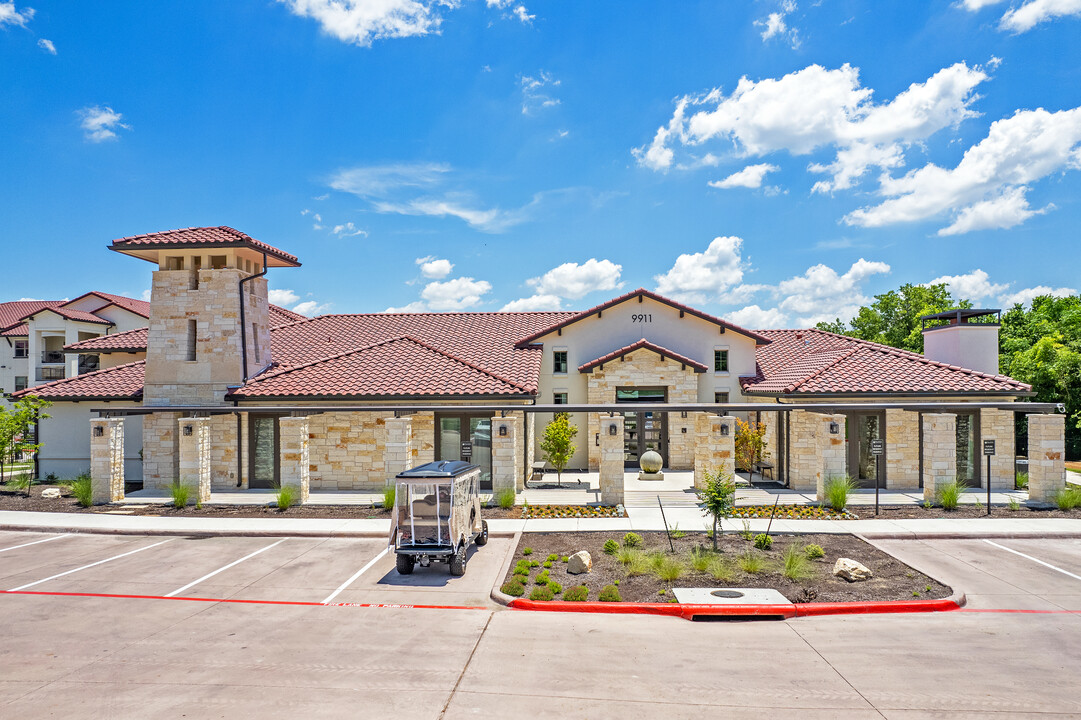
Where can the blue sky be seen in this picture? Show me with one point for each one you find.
(775, 162)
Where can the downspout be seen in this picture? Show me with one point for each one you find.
(239, 449)
(243, 324)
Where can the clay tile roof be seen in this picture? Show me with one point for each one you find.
(281, 316)
(123, 382)
(78, 315)
(575, 317)
(397, 367)
(12, 314)
(128, 341)
(819, 362)
(221, 236)
(642, 344)
(139, 307)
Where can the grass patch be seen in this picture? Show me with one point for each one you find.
(179, 494)
(699, 560)
(83, 491)
(794, 563)
(667, 568)
(285, 497)
(634, 561)
(1012, 504)
(677, 533)
(720, 568)
(388, 497)
(1068, 498)
(837, 491)
(505, 498)
(949, 495)
(751, 562)
(1020, 481)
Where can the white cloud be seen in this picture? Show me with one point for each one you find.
(814, 108)
(1024, 297)
(101, 123)
(380, 181)
(975, 286)
(434, 268)
(457, 294)
(518, 11)
(1034, 12)
(749, 177)
(753, 317)
(282, 298)
(361, 21)
(47, 46)
(347, 230)
(534, 303)
(571, 280)
(9, 15)
(311, 308)
(147, 294)
(523, 15)
(774, 25)
(696, 277)
(414, 307)
(974, 5)
(987, 187)
(537, 92)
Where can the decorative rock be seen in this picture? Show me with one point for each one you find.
(651, 462)
(580, 562)
(851, 570)
(51, 493)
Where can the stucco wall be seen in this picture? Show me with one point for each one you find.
(65, 437)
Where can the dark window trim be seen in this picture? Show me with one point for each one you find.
(720, 361)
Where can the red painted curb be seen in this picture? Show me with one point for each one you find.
(241, 601)
(780, 610)
(871, 608)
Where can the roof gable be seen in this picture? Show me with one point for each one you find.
(137, 307)
(69, 314)
(642, 344)
(13, 313)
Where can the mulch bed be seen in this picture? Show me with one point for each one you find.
(918, 512)
(892, 581)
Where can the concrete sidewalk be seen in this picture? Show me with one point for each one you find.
(639, 519)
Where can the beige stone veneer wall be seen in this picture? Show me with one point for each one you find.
(998, 425)
(644, 368)
(346, 451)
(1046, 456)
(106, 460)
(902, 449)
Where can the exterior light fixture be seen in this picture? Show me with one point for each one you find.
(98, 431)
(597, 440)
(724, 429)
(683, 414)
(187, 430)
(502, 431)
(834, 428)
(612, 429)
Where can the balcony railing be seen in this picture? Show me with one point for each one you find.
(52, 357)
(88, 363)
(50, 373)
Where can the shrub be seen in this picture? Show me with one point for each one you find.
(521, 567)
(1068, 498)
(750, 563)
(632, 540)
(611, 547)
(552, 558)
(534, 563)
(662, 591)
(949, 495)
(814, 552)
(542, 578)
(794, 564)
(285, 497)
(1012, 504)
(566, 558)
(699, 560)
(505, 498)
(763, 541)
(547, 564)
(578, 593)
(677, 533)
(542, 593)
(667, 568)
(837, 492)
(527, 551)
(1020, 482)
(513, 587)
(555, 587)
(746, 532)
(20, 483)
(609, 593)
(388, 497)
(82, 490)
(180, 494)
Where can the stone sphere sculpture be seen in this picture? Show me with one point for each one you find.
(650, 461)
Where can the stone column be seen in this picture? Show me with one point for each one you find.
(399, 446)
(832, 449)
(714, 451)
(902, 449)
(939, 452)
(805, 460)
(294, 462)
(998, 425)
(506, 470)
(1046, 457)
(611, 460)
(107, 460)
(194, 437)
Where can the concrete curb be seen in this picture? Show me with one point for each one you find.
(958, 596)
(181, 532)
(498, 595)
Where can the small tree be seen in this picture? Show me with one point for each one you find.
(718, 498)
(558, 443)
(15, 429)
(750, 444)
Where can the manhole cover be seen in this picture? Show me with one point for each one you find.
(726, 594)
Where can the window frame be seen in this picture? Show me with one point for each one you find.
(721, 357)
(559, 397)
(25, 344)
(556, 362)
(727, 396)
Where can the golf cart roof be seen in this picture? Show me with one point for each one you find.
(438, 470)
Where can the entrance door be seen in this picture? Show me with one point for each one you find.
(968, 466)
(861, 430)
(467, 438)
(645, 430)
(264, 470)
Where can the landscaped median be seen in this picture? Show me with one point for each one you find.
(641, 573)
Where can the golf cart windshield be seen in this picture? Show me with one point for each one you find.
(423, 513)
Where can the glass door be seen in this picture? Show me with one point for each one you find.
(860, 430)
(967, 465)
(467, 438)
(644, 430)
(480, 434)
(263, 461)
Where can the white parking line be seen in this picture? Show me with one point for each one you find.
(223, 569)
(1035, 560)
(55, 537)
(358, 573)
(84, 567)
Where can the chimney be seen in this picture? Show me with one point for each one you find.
(964, 337)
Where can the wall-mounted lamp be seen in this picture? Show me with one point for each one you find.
(597, 440)
(724, 430)
(683, 414)
(612, 429)
(98, 431)
(834, 428)
(502, 431)
(187, 430)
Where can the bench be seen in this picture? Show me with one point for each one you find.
(539, 468)
(764, 467)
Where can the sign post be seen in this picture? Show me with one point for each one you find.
(988, 450)
(878, 447)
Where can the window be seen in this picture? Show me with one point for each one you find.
(197, 262)
(247, 266)
(559, 398)
(720, 397)
(720, 361)
(174, 263)
(193, 329)
(559, 361)
(22, 348)
(217, 262)
(255, 340)
(20, 382)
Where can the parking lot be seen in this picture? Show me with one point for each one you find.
(378, 649)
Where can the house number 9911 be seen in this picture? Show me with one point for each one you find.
(642, 318)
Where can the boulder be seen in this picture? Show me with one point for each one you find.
(51, 493)
(851, 570)
(580, 562)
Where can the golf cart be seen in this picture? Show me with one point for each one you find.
(437, 515)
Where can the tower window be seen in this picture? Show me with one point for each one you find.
(174, 263)
(255, 341)
(193, 328)
(217, 262)
(559, 361)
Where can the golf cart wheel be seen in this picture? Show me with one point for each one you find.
(482, 538)
(405, 564)
(457, 562)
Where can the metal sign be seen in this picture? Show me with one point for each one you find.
(878, 447)
(467, 450)
(988, 447)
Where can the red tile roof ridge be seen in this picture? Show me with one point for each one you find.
(79, 377)
(76, 315)
(388, 341)
(760, 339)
(569, 313)
(207, 233)
(92, 343)
(643, 343)
(139, 307)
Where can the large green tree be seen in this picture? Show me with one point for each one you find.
(894, 317)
